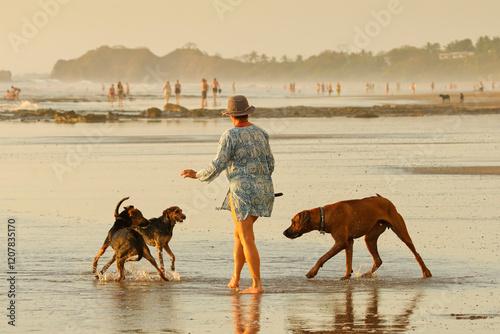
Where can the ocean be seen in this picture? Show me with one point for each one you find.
(88, 97)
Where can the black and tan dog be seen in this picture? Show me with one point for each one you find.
(348, 220)
(445, 97)
(159, 233)
(125, 241)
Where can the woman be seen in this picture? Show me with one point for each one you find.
(245, 155)
(177, 91)
(111, 94)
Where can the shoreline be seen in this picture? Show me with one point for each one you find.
(475, 104)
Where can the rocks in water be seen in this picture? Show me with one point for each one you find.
(151, 113)
(73, 117)
(174, 108)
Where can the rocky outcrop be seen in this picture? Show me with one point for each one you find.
(5, 76)
(73, 117)
(109, 64)
(151, 113)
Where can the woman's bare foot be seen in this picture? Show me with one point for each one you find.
(234, 283)
(252, 290)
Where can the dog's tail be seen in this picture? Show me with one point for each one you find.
(378, 195)
(118, 205)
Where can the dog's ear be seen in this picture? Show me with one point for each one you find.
(168, 213)
(135, 213)
(305, 217)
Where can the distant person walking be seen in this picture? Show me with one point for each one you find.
(413, 87)
(127, 89)
(167, 90)
(215, 90)
(204, 92)
(111, 94)
(120, 91)
(234, 87)
(177, 88)
(338, 89)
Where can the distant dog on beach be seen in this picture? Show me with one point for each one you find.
(445, 97)
(126, 242)
(348, 220)
(159, 233)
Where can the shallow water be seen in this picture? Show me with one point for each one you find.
(87, 97)
(61, 182)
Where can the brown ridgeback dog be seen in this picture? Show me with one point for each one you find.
(348, 220)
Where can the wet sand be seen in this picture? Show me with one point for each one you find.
(62, 181)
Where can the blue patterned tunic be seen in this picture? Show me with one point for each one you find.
(244, 153)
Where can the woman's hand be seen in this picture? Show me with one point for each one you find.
(188, 173)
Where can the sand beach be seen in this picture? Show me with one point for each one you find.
(62, 181)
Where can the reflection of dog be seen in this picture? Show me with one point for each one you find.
(159, 232)
(348, 220)
(125, 241)
(445, 97)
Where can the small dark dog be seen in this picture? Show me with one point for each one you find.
(159, 233)
(445, 97)
(125, 241)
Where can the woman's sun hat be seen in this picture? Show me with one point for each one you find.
(238, 106)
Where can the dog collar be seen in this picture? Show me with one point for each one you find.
(322, 221)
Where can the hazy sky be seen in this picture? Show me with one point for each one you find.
(36, 33)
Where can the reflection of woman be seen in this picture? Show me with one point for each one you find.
(244, 153)
(246, 318)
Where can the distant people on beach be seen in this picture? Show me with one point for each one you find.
(370, 88)
(215, 90)
(167, 91)
(13, 94)
(120, 92)
(386, 88)
(318, 87)
(398, 87)
(234, 87)
(111, 94)
(291, 88)
(204, 92)
(330, 90)
(337, 88)
(461, 97)
(413, 87)
(127, 89)
(432, 86)
(177, 88)
(480, 86)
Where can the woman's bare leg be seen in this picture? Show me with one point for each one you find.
(245, 232)
(245, 250)
(239, 261)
